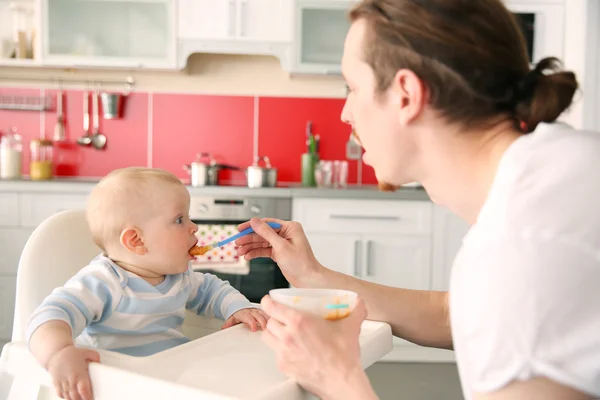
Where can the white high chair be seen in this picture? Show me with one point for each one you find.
(200, 369)
(56, 250)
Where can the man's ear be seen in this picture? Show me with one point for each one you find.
(131, 240)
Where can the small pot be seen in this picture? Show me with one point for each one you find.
(261, 176)
(205, 170)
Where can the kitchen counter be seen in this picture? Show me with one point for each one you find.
(230, 364)
(85, 185)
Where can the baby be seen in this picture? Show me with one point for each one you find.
(132, 298)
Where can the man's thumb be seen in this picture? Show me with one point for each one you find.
(263, 230)
(359, 313)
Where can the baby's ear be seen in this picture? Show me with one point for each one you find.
(131, 239)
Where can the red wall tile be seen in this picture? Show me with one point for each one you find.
(282, 133)
(368, 175)
(185, 125)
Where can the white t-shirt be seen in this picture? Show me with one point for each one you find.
(525, 286)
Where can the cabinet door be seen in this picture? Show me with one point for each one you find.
(35, 208)
(339, 252)
(9, 209)
(448, 233)
(12, 242)
(399, 261)
(265, 20)
(109, 33)
(320, 32)
(206, 19)
(8, 287)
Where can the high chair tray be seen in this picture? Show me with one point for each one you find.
(230, 364)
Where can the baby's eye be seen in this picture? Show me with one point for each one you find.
(179, 220)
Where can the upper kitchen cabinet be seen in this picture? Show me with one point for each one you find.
(18, 41)
(320, 29)
(235, 27)
(108, 33)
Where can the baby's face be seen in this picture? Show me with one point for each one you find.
(168, 233)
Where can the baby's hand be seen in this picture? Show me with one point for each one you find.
(69, 371)
(253, 317)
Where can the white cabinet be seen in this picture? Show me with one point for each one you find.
(448, 233)
(35, 208)
(206, 19)
(7, 306)
(320, 29)
(339, 252)
(266, 20)
(387, 242)
(9, 209)
(12, 242)
(399, 260)
(234, 27)
(108, 33)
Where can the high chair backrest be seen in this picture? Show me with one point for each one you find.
(56, 250)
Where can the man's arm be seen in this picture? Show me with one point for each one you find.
(419, 316)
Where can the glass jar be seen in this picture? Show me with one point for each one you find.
(40, 167)
(11, 152)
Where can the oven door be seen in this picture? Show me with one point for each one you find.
(255, 281)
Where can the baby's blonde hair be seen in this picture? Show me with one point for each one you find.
(121, 198)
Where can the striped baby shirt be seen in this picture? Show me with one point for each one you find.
(110, 308)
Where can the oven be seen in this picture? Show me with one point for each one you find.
(217, 217)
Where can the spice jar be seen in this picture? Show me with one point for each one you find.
(11, 151)
(40, 167)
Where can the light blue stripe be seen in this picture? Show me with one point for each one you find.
(150, 348)
(160, 326)
(45, 316)
(100, 289)
(64, 309)
(168, 283)
(162, 305)
(206, 292)
(139, 285)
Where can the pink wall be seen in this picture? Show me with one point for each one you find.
(167, 130)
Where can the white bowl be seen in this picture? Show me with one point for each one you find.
(326, 303)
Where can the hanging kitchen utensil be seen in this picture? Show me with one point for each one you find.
(86, 139)
(59, 128)
(258, 177)
(112, 104)
(98, 139)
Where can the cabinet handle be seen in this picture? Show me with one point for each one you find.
(357, 258)
(369, 246)
(367, 217)
(243, 17)
(232, 18)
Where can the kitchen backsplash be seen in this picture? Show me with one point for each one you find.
(166, 130)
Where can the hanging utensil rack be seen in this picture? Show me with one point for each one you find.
(42, 103)
(25, 103)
